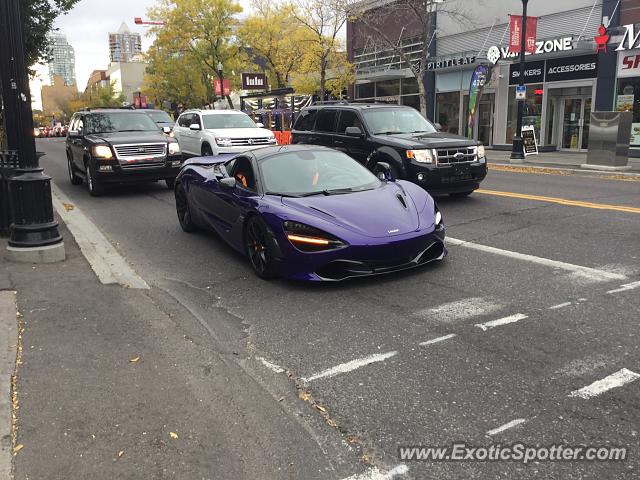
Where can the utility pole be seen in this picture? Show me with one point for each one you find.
(517, 152)
(34, 231)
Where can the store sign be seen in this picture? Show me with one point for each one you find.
(439, 63)
(572, 68)
(515, 37)
(564, 44)
(533, 73)
(602, 39)
(254, 81)
(479, 79)
(530, 144)
(631, 39)
(629, 64)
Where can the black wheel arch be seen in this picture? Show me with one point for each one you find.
(389, 155)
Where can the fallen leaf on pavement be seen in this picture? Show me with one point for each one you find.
(17, 448)
(68, 207)
(120, 453)
(305, 396)
(321, 408)
(173, 434)
(134, 360)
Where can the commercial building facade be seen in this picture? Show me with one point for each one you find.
(62, 60)
(566, 79)
(127, 78)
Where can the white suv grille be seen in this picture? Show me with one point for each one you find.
(244, 142)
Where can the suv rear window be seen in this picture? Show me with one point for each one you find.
(306, 120)
(326, 121)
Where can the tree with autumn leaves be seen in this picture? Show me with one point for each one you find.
(293, 43)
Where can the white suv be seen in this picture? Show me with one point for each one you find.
(211, 132)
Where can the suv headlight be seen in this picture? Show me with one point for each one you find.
(481, 152)
(102, 151)
(422, 156)
(174, 148)
(223, 142)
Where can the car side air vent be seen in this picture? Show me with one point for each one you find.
(401, 199)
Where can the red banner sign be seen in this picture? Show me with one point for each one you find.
(515, 38)
(225, 83)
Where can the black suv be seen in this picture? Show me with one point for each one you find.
(400, 136)
(117, 146)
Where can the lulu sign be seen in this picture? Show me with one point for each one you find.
(631, 39)
(254, 81)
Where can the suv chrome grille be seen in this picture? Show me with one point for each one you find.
(457, 155)
(140, 151)
(245, 142)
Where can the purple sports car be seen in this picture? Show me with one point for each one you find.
(310, 213)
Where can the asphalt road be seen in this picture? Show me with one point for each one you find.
(361, 353)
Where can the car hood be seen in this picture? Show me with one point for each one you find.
(373, 213)
(240, 132)
(427, 140)
(117, 138)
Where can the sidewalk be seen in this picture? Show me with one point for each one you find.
(556, 160)
(123, 383)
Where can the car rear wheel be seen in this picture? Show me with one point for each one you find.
(461, 194)
(258, 248)
(73, 178)
(95, 188)
(182, 209)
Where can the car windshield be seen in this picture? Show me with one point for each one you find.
(315, 172)
(227, 120)
(396, 120)
(160, 117)
(118, 122)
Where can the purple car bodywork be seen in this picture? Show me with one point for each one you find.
(386, 229)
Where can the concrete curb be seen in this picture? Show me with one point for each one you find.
(8, 345)
(577, 170)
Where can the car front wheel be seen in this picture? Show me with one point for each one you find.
(94, 186)
(73, 178)
(258, 248)
(183, 211)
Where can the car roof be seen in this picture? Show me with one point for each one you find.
(110, 110)
(265, 152)
(357, 106)
(218, 112)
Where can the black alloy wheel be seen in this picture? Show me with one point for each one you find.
(258, 249)
(73, 178)
(182, 209)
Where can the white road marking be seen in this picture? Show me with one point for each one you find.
(615, 380)
(460, 310)
(592, 274)
(507, 426)
(560, 305)
(350, 366)
(625, 288)
(501, 321)
(271, 366)
(375, 474)
(437, 340)
(106, 262)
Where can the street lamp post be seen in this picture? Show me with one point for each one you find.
(517, 152)
(34, 231)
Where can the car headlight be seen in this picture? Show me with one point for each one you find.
(174, 148)
(223, 142)
(422, 156)
(272, 140)
(310, 239)
(438, 219)
(102, 151)
(481, 152)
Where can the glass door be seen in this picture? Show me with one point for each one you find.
(485, 123)
(586, 122)
(571, 125)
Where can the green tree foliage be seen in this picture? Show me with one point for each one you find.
(101, 97)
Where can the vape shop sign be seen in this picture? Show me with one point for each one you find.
(555, 70)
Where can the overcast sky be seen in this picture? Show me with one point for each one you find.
(87, 29)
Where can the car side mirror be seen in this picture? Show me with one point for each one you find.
(438, 127)
(260, 125)
(228, 182)
(383, 171)
(195, 126)
(353, 131)
(166, 130)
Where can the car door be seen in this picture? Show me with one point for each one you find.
(76, 143)
(355, 146)
(184, 138)
(325, 127)
(303, 129)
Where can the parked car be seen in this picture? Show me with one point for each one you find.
(310, 213)
(37, 132)
(116, 146)
(400, 136)
(162, 119)
(212, 132)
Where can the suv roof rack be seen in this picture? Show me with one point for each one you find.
(332, 102)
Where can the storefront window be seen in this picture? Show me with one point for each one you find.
(628, 100)
(411, 101)
(388, 88)
(409, 85)
(532, 111)
(448, 111)
(365, 90)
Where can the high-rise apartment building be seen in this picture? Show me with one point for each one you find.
(62, 59)
(125, 46)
